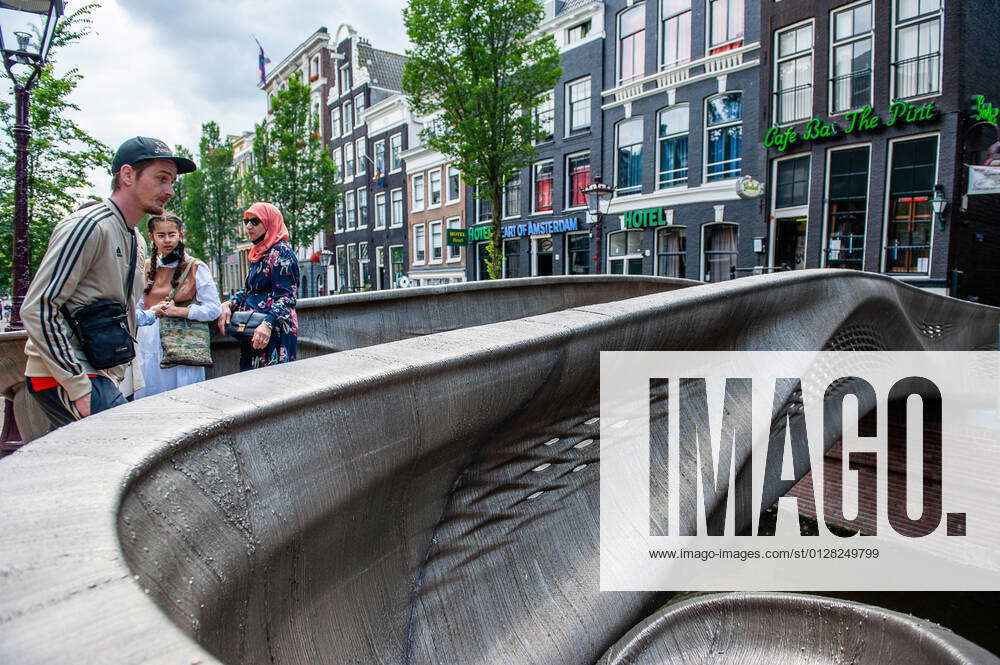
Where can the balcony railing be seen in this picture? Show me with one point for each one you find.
(918, 76)
(793, 104)
(713, 65)
(851, 91)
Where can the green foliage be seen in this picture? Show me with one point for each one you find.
(61, 153)
(207, 199)
(291, 168)
(481, 66)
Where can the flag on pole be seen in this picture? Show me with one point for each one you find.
(261, 61)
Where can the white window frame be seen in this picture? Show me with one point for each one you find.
(458, 196)
(668, 137)
(340, 258)
(345, 73)
(350, 206)
(870, 35)
(663, 37)
(430, 242)
(898, 25)
(567, 182)
(887, 213)
(617, 145)
(359, 107)
(338, 216)
(505, 213)
(568, 129)
(395, 153)
(656, 247)
(549, 101)
(567, 263)
(393, 222)
(452, 223)
(624, 258)
(380, 197)
(361, 194)
(379, 268)
(338, 160)
(704, 230)
(619, 80)
(363, 264)
(801, 210)
(349, 122)
(709, 46)
(419, 257)
(778, 61)
(534, 183)
(568, 35)
(361, 155)
(430, 189)
(478, 219)
(417, 186)
(379, 156)
(825, 226)
(336, 122)
(349, 164)
(708, 129)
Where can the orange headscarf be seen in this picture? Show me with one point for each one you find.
(274, 228)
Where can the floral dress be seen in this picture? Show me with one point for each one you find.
(271, 287)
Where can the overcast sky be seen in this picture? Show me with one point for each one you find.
(161, 69)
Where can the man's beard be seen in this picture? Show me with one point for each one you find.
(152, 209)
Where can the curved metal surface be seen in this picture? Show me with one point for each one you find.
(754, 628)
(427, 500)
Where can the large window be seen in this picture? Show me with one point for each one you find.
(336, 129)
(434, 180)
(397, 208)
(632, 43)
(725, 19)
(908, 237)
(380, 210)
(628, 156)
(349, 160)
(379, 158)
(542, 185)
(354, 277)
(348, 116)
(338, 160)
(545, 116)
(512, 198)
(720, 251)
(362, 158)
(364, 265)
(851, 68)
(672, 153)
(577, 177)
(338, 216)
(577, 254)
(794, 74)
(349, 205)
(345, 79)
(847, 208)
(437, 250)
(418, 193)
(362, 195)
(625, 253)
(578, 105)
(484, 205)
(675, 32)
(671, 249)
(419, 246)
(917, 68)
(792, 182)
(454, 185)
(398, 267)
(724, 121)
(359, 108)
(342, 268)
(395, 150)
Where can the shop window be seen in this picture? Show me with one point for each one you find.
(578, 254)
(482, 261)
(628, 153)
(672, 153)
(675, 32)
(578, 105)
(577, 178)
(542, 181)
(725, 19)
(514, 261)
(794, 74)
(908, 238)
(792, 182)
(396, 256)
(847, 208)
(512, 198)
(724, 121)
(632, 43)
(851, 73)
(419, 245)
(625, 253)
(917, 67)
(720, 251)
(671, 250)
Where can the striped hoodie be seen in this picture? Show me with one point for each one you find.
(87, 259)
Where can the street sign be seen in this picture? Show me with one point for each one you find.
(457, 237)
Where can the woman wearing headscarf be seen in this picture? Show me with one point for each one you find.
(270, 289)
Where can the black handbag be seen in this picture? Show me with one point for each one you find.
(243, 324)
(102, 327)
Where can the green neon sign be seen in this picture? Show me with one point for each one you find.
(862, 120)
(639, 219)
(480, 233)
(984, 110)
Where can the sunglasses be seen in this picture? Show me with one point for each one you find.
(252, 221)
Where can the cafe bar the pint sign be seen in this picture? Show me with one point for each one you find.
(855, 122)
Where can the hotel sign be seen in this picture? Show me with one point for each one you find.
(862, 120)
(640, 219)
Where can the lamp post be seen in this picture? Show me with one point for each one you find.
(938, 204)
(595, 192)
(24, 64)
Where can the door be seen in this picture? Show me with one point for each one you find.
(543, 257)
(790, 242)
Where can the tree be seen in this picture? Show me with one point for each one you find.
(482, 66)
(291, 168)
(207, 199)
(61, 153)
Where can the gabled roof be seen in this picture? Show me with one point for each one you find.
(385, 68)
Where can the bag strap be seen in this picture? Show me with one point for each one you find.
(184, 276)
(131, 270)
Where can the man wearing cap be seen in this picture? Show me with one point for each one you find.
(88, 259)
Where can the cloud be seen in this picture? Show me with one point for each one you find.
(163, 68)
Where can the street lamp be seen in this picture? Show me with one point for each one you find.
(326, 258)
(24, 65)
(938, 204)
(594, 193)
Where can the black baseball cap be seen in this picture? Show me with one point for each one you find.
(141, 148)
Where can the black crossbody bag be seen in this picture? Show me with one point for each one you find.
(102, 326)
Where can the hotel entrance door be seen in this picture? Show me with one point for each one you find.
(790, 242)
